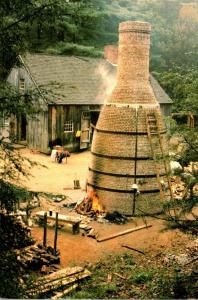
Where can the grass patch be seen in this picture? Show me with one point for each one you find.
(123, 277)
(142, 277)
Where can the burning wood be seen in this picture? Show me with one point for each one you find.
(90, 205)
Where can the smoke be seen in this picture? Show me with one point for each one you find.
(107, 76)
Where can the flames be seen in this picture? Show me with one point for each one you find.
(96, 206)
(90, 205)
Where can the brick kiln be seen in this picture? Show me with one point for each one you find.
(128, 167)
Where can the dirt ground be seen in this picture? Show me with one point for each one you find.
(82, 250)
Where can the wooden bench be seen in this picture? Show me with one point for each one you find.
(62, 219)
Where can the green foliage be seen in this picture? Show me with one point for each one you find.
(11, 195)
(142, 277)
(10, 276)
(182, 87)
(74, 49)
(12, 234)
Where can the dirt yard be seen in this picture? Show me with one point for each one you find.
(79, 249)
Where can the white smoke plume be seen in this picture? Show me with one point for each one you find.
(108, 80)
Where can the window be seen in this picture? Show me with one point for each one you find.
(21, 84)
(68, 126)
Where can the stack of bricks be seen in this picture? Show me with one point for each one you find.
(121, 149)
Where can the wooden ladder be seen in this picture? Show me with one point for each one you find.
(164, 159)
(152, 130)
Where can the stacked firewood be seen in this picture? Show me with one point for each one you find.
(85, 207)
(39, 258)
(13, 232)
(59, 283)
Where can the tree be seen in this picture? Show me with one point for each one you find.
(15, 20)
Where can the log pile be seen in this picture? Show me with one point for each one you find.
(59, 283)
(85, 207)
(13, 232)
(39, 258)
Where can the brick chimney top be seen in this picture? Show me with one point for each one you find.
(135, 26)
(133, 85)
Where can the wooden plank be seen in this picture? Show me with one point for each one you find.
(58, 275)
(65, 292)
(53, 123)
(123, 233)
(64, 218)
(43, 288)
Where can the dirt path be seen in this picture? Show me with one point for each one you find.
(82, 250)
(58, 178)
(79, 249)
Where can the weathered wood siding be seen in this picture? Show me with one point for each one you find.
(37, 132)
(166, 109)
(58, 115)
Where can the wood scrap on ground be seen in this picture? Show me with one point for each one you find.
(119, 275)
(54, 283)
(123, 233)
(38, 257)
(109, 278)
(131, 248)
(92, 233)
(65, 292)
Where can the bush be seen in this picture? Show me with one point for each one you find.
(74, 49)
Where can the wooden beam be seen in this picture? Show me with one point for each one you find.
(55, 284)
(56, 234)
(123, 233)
(60, 274)
(131, 248)
(65, 292)
(45, 229)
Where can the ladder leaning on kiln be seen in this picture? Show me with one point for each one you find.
(153, 131)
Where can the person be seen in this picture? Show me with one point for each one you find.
(53, 154)
(61, 155)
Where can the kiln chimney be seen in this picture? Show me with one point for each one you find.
(133, 65)
(128, 167)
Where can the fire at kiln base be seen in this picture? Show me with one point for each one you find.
(90, 205)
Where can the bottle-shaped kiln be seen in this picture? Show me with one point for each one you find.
(128, 167)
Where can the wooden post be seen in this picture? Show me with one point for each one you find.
(44, 229)
(56, 234)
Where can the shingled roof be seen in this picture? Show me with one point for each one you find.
(159, 92)
(79, 78)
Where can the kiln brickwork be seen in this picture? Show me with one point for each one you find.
(129, 143)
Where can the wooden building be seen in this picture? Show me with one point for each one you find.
(79, 91)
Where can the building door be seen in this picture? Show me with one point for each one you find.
(85, 130)
(94, 120)
(23, 128)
